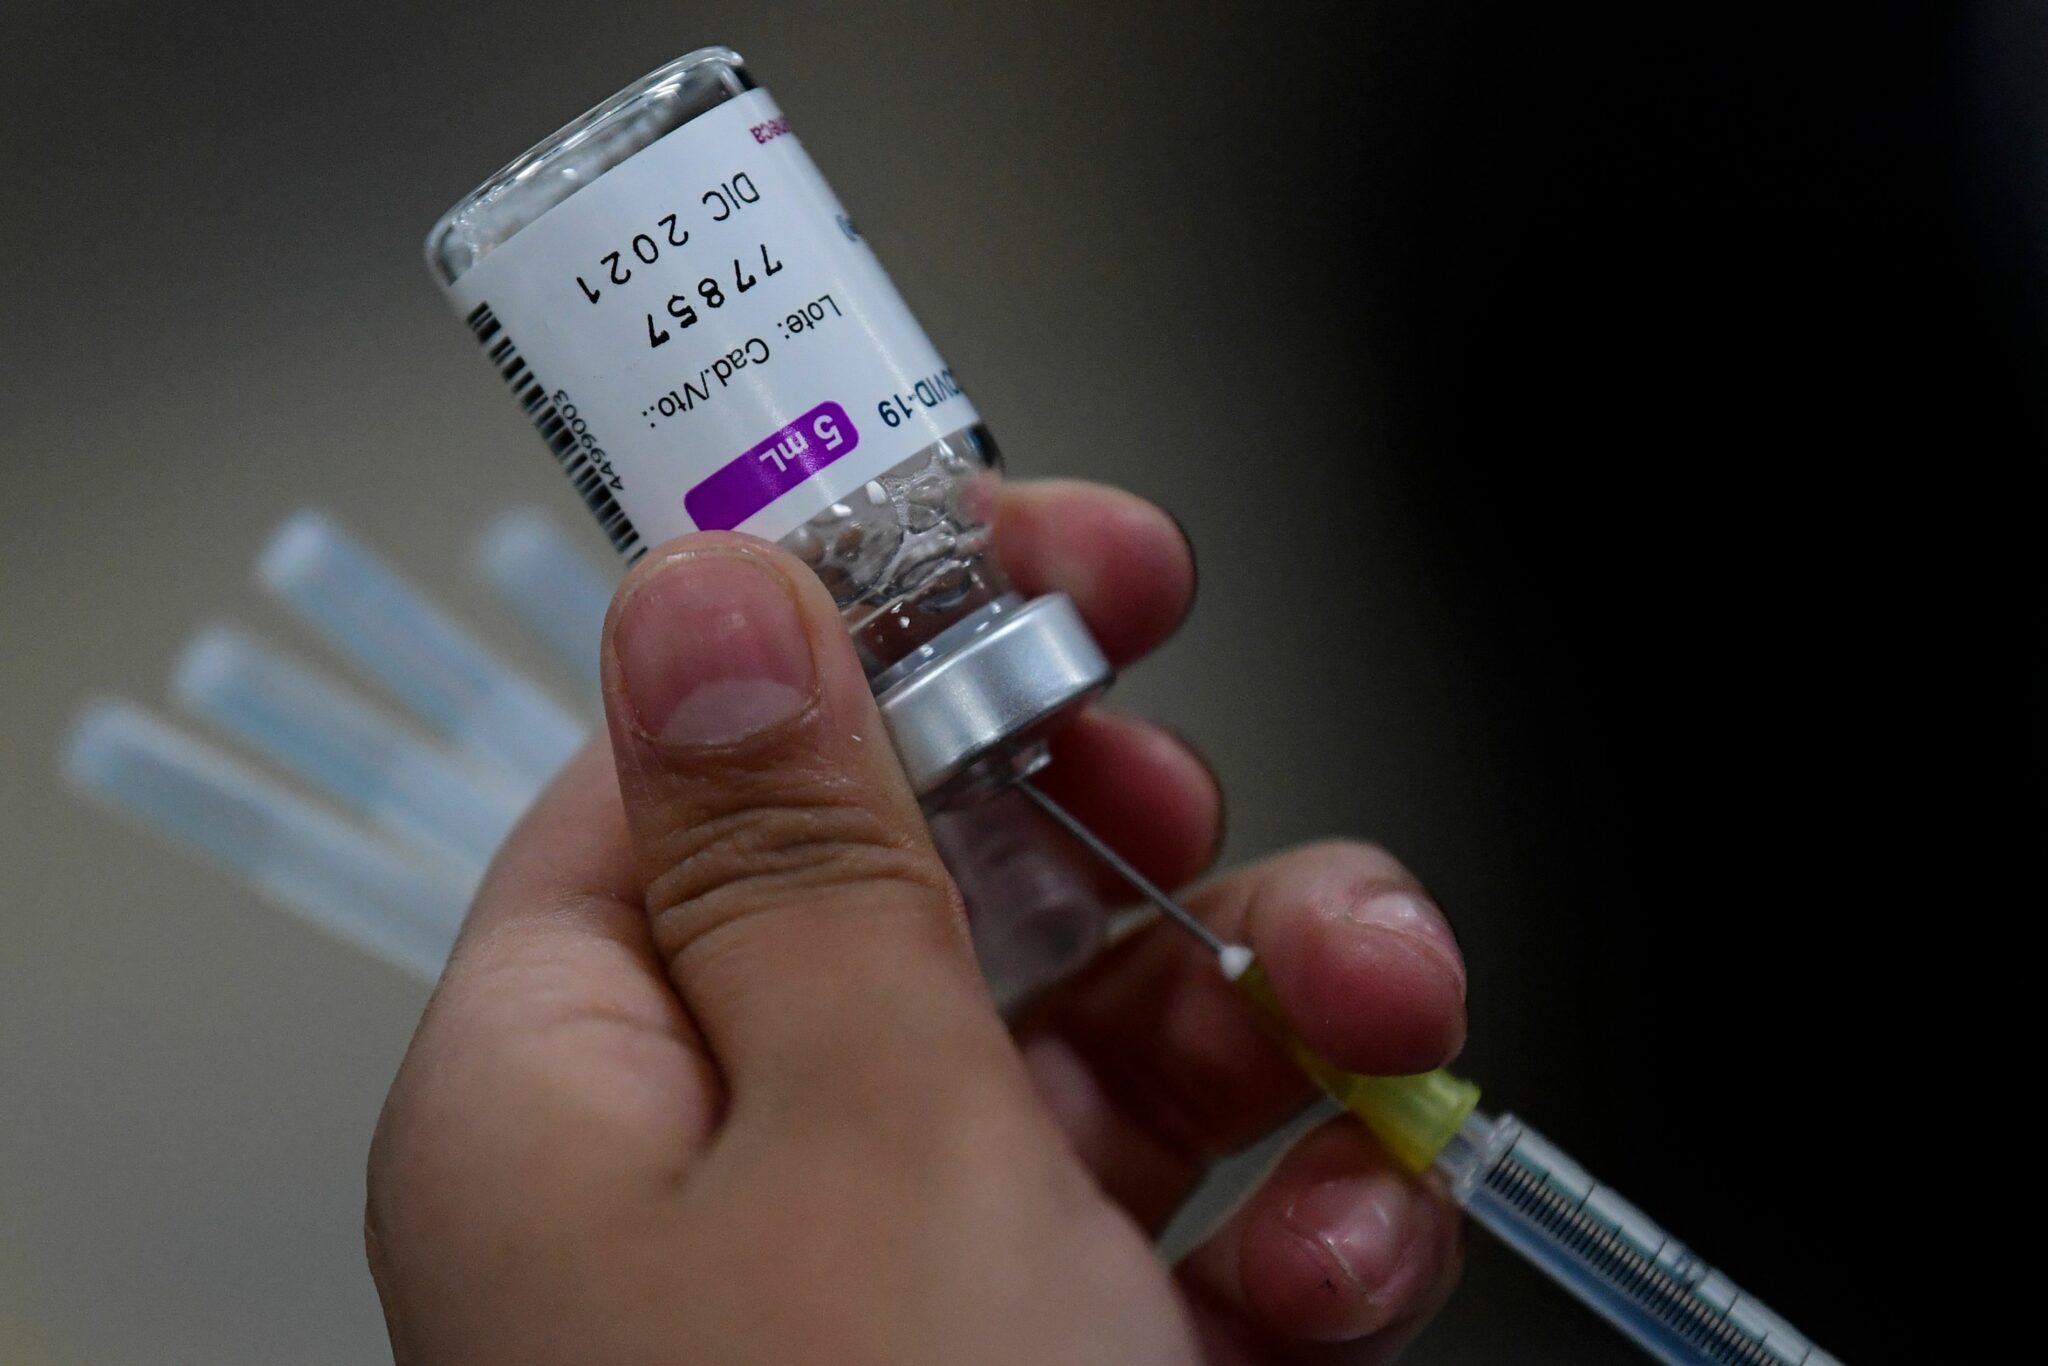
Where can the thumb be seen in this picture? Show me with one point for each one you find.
(793, 890)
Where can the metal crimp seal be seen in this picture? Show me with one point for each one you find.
(991, 685)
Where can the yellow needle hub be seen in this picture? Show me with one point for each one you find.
(1414, 1116)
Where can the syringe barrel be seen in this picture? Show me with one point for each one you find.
(1610, 1255)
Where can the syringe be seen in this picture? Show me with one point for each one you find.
(1510, 1180)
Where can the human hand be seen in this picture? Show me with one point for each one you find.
(711, 1075)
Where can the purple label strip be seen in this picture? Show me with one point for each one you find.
(771, 468)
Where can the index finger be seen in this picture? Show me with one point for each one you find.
(1126, 563)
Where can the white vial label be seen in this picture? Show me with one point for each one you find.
(706, 341)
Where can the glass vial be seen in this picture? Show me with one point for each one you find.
(903, 542)
(697, 329)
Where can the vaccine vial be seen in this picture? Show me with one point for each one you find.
(699, 332)
(661, 282)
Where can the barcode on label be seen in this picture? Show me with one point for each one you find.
(589, 480)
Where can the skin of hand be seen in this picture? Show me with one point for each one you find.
(711, 1076)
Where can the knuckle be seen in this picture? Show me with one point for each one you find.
(805, 843)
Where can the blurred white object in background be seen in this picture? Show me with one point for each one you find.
(402, 783)
(421, 653)
(392, 865)
(306, 859)
(548, 584)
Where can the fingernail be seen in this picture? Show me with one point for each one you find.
(1363, 1222)
(1407, 914)
(712, 650)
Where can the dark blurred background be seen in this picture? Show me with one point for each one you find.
(1612, 435)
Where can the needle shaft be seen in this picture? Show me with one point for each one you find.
(1179, 914)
